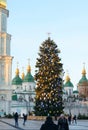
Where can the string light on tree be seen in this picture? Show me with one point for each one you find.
(49, 81)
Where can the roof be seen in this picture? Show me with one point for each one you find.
(28, 78)
(83, 79)
(17, 80)
(68, 84)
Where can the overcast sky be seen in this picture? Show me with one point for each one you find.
(67, 20)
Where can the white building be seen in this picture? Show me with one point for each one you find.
(76, 101)
(5, 61)
(17, 94)
(23, 93)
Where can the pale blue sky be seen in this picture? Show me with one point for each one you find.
(66, 20)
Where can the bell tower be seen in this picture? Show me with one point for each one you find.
(5, 39)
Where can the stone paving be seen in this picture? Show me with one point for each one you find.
(8, 124)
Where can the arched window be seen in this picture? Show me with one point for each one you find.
(20, 99)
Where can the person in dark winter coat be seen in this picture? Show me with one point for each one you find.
(63, 123)
(16, 119)
(25, 118)
(49, 124)
(69, 119)
(75, 119)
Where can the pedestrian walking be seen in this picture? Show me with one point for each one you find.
(49, 124)
(25, 118)
(69, 119)
(75, 119)
(72, 119)
(16, 119)
(63, 123)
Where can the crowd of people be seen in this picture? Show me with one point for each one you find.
(62, 123)
(72, 119)
(16, 116)
(50, 125)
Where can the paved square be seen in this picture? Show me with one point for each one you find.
(8, 124)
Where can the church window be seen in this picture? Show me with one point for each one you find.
(34, 87)
(25, 87)
(2, 98)
(30, 87)
(69, 91)
(20, 98)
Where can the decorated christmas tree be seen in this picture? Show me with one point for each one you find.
(48, 76)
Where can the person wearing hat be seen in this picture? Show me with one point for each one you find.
(49, 124)
(63, 123)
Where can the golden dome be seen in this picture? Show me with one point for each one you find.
(3, 3)
(28, 68)
(23, 75)
(84, 70)
(17, 71)
(67, 78)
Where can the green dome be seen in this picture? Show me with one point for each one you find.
(83, 79)
(68, 84)
(17, 80)
(28, 78)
